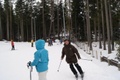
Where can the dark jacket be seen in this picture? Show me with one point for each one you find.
(71, 53)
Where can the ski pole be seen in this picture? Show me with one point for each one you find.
(87, 59)
(59, 65)
(31, 68)
(31, 73)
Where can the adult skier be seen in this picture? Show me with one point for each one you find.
(72, 54)
(41, 60)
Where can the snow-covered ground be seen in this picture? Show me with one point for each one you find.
(13, 64)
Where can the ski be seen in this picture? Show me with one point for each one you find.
(82, 77)
(77, 78)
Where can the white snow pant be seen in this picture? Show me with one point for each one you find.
(42, 75)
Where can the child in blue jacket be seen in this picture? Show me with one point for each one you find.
(41, 59)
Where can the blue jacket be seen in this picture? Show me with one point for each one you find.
(41, 58)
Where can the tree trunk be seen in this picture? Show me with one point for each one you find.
(22, 30)
(95, 30)
(53, 23)
(98, 22)
(58, 32)
(70, 21)
(11, 31)
(103, 26)
(35, 28)
(85, 25)
(1, 29)
(18, 30)
(64, 21)
(88, 27)
(31, 28)
(27, 32)
(75, 26)
(52, 19)
(8, 33)
(111, 26)
(43, 17)
(108, 27)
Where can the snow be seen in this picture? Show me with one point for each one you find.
(13, 64)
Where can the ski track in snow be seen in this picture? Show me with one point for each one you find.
(13, 64)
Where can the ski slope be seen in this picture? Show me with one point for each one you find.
(13, 64)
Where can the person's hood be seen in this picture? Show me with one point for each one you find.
(40, 44)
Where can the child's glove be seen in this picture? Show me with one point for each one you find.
(29, 64)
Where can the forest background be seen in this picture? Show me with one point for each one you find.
(82, 20)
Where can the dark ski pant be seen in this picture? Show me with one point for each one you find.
(74, 70)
